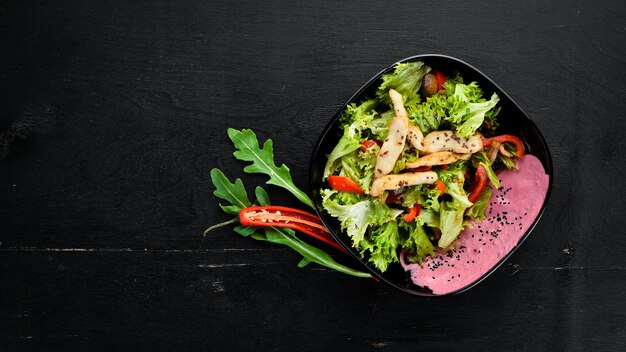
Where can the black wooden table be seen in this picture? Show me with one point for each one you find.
(112, 116)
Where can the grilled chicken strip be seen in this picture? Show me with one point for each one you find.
(390, 182)
(440, 158)
(448, 141)
(393, 145)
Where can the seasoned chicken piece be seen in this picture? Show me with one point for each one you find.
(390, 182)
(396, 137)
(415, 137)
(398, 104)
(448, 141)
(440, 158)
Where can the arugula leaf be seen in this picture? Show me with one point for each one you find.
(234, 193)
(261, 196)
(245, 231)
(309, 253)
(263, 162)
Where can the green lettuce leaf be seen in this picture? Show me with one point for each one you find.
(364, 111)
(355, 218)
(481, 158)
(450, 223)
(458, 194)
(383, 245)
(348, 143)
(475, 116)
(360, 167)
(479, 209)
(427, 115)
(417, 242)
(429, 217)
(406, 79)
(466, 108)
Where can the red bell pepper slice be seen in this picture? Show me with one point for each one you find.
(291, 218)
(365, 145)
(344, 184)
(507, 138)
(480, 180)
(413, 212)
(441, 187)
(441, 79)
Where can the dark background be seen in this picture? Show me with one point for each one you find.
(112, 116)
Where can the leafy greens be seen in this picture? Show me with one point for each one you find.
(236, 198)
(375, 224)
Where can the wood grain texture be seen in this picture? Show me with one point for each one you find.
(116, 113)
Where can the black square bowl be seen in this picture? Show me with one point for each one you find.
(511, 118)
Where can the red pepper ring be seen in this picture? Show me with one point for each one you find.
(413, 212)
(507, 138)
(291, 218)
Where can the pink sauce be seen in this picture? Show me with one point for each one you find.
(512, 210)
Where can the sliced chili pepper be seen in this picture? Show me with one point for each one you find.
(480, 180)
(291, 218)
(344, 184)
(441, 187)
(368, 144)
(441, 79)
(507, 138)
(413, 212)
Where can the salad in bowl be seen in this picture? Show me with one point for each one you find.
(425, 175)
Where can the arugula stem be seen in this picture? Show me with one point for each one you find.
(221, 224)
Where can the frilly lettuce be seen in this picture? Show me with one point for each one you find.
(360, 167)
(467, 107)
(356, 214)
(359, 120)
(406, 79)
(375, 228)
(417, 242)
(450, 222)
(478, 210)
(383, 245)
